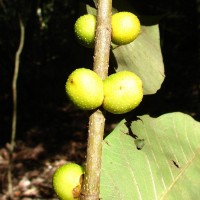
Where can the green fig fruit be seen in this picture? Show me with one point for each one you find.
(85, 89)
(85, 28)
(67, 181)
(125, 28)
(122, 92)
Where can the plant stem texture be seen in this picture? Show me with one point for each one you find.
(91, 184)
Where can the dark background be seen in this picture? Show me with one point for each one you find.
(49, 128)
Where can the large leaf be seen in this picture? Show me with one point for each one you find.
(154, 158)
(143, 56)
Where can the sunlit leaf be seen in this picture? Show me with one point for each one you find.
(166, 167)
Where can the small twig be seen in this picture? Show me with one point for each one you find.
(14, 117)
(91, 185)
(14, 83)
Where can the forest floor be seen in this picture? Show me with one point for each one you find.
(41, 151)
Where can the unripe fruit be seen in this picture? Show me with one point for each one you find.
(85, 28)
(125, 28)
(122, 92)
(85, 89)
(67, 181)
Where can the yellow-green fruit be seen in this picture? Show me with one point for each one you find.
(85, 89)
(122, 92)
(67, 181)
(125, 28)
(85, 28)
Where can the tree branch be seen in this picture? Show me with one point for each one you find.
(91, 185)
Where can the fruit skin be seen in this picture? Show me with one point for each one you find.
(125, 28)
(67, 181)
(122, 92)
(84, 29)
(85, 89)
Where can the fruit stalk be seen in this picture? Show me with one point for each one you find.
(91, 184)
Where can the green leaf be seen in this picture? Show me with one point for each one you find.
(91, 10)
(143, 56)
(167, 166)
